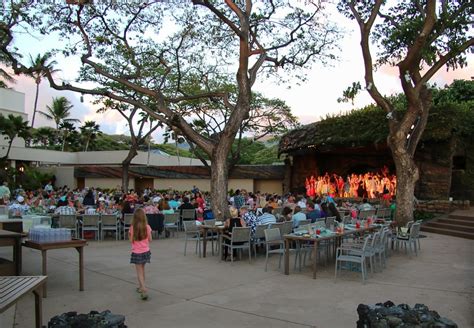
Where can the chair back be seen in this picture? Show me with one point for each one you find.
(188, 214)
(272, 234)
(260, 231)
(347, 219)
(3, 210)
(366, 214)
(171, 218)
(108, 219)
(190, 226)
(127, 218)
(375, 239)
(67, 221)
(409, 224)
(287, 227)
(210, 222)
(304, 222)
(304, 227)
(90, 220)
(330, 221)
(240, 234)
(414, 231)
(318, 224)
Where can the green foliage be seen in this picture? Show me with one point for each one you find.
(173, 150)
(368, 125)
(422, 215)
(111, 142)
(33, 179)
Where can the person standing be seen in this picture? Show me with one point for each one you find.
(140, 237)
(4, 193)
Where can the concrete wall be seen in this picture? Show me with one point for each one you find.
(64, 175)
(269, 186)
(109, 183)
(246, 184)
(12, 102)
(182, 184)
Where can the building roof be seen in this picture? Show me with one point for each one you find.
(261, 172)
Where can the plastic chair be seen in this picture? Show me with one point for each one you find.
(259, 237)
(348, 254)
(91, 223)
(127, 222)
(109, 222)
(193, 233)
(409, 240)
(68, 221)
(273, 238)
(171, 223)
(240, 239)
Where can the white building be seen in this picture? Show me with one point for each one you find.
(103, 168)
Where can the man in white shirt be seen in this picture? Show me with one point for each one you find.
(267, 217)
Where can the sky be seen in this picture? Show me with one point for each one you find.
(310, 101)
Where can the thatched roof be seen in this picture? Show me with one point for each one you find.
(368, 127)
(261, 172)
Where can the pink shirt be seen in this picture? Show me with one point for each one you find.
(141, 246)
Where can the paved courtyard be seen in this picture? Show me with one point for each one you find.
(195, 292)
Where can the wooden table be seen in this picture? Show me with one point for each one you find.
(78, 244)
(205, 228)
(15, 225)
(10, 268)
(13, 288)
(316, 240)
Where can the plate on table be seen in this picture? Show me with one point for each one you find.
(219, 223)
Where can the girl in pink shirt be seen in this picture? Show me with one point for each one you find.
(140, 236)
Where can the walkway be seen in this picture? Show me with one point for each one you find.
(193, 292)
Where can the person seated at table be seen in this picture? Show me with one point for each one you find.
(334, 212)
(19, 207)
(78, 206)
(229, 224)
(89, 199)
(298, 216)
(312, 212)
(286, 214)
(174, 202)
(164, 206)
(365, 206)
(101, 207)
(272, 202)
(185, 206)
(249, 218)
(267, 217)
(63, 207)
(324, 210)
(150, 208)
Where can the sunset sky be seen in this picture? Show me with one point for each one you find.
(309, 102)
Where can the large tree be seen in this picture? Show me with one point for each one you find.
(139, 129)
(166, 52)
(420, 38)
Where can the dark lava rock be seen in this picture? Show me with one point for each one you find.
(389, 315)
(94, 319)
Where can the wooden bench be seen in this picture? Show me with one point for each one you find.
(12, 288)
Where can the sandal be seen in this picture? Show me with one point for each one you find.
(143, 296)
(138, 290)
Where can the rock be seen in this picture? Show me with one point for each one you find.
(448, 323)
(388, 315)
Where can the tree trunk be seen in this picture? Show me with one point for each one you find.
(126, 166)
(219, 182)
(407, 176)
(35, 105)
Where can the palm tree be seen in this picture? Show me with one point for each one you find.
(11, 127)
(44, 136)
(59, 112)
(41, 63)
(67, 128)
(89, 131)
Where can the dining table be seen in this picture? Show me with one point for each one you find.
(218, 228)
(316, 239)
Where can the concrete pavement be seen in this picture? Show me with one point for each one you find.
(188, 291)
